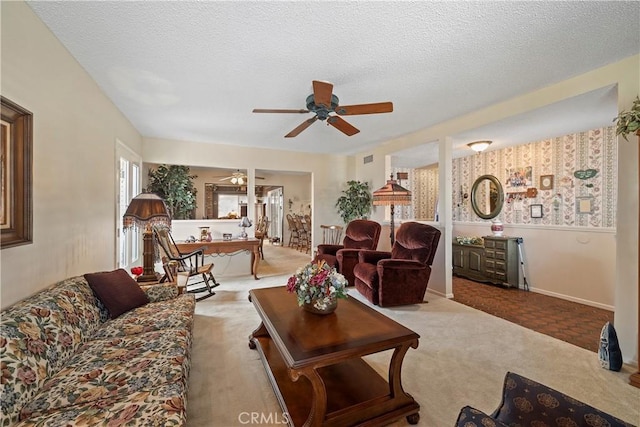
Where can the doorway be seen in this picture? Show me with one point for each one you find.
(275, 212)
(127, 187)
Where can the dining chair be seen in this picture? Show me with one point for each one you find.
(331, 234)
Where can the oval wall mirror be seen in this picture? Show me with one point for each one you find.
(487, 197)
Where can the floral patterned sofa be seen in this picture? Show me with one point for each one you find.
(65, 361)
(528, 403)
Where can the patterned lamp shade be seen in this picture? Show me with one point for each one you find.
(392, 194)
(146, 210)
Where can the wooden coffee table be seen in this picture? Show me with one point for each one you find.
(315, 364)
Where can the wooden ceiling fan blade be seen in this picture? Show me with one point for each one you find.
(266, 110)
(322, 92)
(378, 107)
(302, 127)
(342, 125)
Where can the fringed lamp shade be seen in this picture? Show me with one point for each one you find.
(392, 194)
(145, 211)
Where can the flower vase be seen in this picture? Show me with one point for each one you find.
(325, 306)
(496, 227)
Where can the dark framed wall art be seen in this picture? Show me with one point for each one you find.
(546, 182)
(16, 141)
(536, 211)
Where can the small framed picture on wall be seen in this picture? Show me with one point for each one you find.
(536, 211)
(584, 205)
(546, 182)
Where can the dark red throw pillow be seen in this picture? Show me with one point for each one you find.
(117, 291)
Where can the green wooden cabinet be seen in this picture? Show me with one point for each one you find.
(495, 262)
(468, 261)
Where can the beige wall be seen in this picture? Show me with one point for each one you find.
(574, 264)
(75, 132)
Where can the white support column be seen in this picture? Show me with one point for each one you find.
(445, 208)
(251, 199)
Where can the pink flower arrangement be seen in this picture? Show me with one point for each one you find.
(317, 283)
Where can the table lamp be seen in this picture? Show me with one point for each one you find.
(392, 194)
(145, 211)
(244, 223)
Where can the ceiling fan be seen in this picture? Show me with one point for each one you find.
(238, 177)
(323, 102)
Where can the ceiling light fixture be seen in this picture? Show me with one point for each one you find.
(237, 180)
(479, 146)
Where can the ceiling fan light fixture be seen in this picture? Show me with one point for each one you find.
(323, 102)
(479, 146)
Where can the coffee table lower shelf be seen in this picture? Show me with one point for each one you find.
(356, 393)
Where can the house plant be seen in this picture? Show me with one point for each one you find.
(174, 184)
(318, 287)
(355, 202)
(628, 121)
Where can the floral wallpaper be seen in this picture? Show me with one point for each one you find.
(579, 171)
(425, 193)
(583, 188)
(423, 184)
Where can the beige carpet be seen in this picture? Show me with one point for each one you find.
(461, 360)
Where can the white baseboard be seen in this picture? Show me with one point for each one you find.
(573, 299)
(441, 294)
(543, 292)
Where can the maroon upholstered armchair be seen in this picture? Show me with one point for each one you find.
(360, 234)
(401, 276)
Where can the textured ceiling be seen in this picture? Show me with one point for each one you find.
(195, 70)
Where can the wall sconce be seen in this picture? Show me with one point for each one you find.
(479, 146)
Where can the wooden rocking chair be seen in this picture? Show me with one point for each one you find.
(191, 263)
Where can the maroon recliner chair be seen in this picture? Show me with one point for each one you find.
(399, 277)
(360, 234)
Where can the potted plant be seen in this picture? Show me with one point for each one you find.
(174, 184)
(355, 202)
(628, 121)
